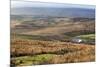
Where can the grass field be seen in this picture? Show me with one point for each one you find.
(33, 52)
(88, 36)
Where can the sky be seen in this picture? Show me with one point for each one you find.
(46, 4)
(89, 2)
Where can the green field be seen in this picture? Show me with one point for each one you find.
(88, 36)
(32, 60)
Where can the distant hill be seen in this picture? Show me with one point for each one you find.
(54, 12)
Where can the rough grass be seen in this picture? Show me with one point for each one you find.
(33, 52)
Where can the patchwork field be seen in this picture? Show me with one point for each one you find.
(52, 41)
